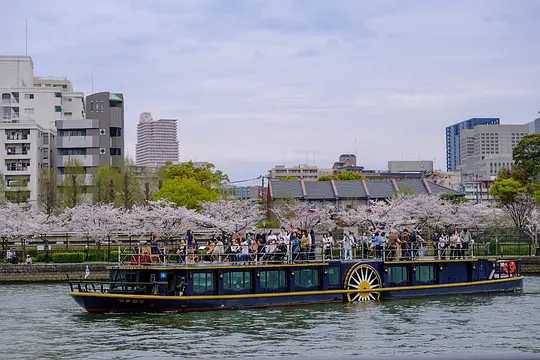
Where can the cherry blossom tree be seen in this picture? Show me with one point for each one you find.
(305, 215)
(233, 216)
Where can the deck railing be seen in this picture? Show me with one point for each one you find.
(277, 255)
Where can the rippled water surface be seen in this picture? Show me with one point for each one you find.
(41, 321)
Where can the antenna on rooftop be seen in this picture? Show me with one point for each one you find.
(26, 37)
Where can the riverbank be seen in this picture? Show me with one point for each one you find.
(51, 273)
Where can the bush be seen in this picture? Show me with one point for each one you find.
(72, 257)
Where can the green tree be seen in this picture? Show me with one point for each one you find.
(526, 156)
(205, 174)
(514, 198)
(346, 175)
(2, 189)
(129, 188)
(350, 175)
(48, 194)
(104, 185)
(187, 192)
(72, 186)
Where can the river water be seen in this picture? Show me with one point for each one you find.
(42, 321)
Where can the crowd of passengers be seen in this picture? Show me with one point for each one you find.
(299, 245)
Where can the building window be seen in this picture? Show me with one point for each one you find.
(116, 151)
(306, 278)
(203, 282)
(397, 274)
(237, 281)
(115, 131)
(57, 94)
(58, 108)
(29, 96)
(74, 151)
(72, 132)
(424, 273)
(272, 280)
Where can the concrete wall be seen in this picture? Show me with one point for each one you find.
(50, 272)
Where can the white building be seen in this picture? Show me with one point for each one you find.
(301, 172)
(29, 107)
(157, 141)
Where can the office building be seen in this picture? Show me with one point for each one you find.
(157, 141)
(29, 108)
(485, 151)
(534, 126)
(453, 139)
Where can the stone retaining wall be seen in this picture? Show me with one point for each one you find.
(10, 274)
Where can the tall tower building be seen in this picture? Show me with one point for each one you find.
(453, 144)
(157, 141)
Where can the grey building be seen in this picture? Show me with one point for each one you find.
(108, 109)
(398, 166)
(352, 193)
(453, 145)
(534, 126)
(97, 140)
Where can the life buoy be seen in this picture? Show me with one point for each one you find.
(512, 269)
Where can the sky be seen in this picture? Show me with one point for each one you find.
(260, 83)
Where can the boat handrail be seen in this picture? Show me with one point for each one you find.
(322, 254)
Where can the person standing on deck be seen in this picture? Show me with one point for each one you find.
(466, 242)
(393, 242)
(347, 247)
(405, 244)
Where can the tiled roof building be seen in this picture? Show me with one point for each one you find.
(353, 192)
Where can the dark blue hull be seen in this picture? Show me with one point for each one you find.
(105, 303)
(98, 304)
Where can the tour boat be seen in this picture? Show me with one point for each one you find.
(160, 287)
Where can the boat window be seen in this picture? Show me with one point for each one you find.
(237, 281)
(333, 275)
(397, 274)
(203, 282)
(424, 273)
(306, 278)
(272, 279)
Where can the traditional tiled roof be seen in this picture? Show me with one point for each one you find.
(350, 189)
(380, 189)
(319, 190)
(353, 189)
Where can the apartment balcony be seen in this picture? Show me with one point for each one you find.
(18, 155)
(77, 124)
(18, 171)
(83, 160)
(77, 141)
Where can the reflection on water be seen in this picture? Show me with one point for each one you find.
(42, 321)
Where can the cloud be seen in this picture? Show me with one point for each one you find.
(257, 83)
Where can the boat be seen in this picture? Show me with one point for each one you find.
(148, 284)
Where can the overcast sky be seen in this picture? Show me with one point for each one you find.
(259, 83)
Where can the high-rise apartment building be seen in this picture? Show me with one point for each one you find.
(157, 141)
(29, 108)
(453, 145)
